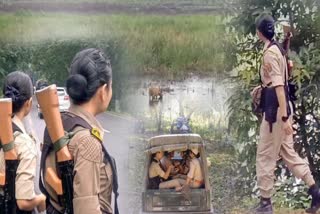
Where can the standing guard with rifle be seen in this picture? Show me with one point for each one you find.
(77, 173)
(18, 155)
(276, 133)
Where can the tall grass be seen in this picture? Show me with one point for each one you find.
(153, 44)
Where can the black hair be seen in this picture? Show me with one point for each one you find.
(153, 157)
(17, 86)
(89, 70)
(265, 24)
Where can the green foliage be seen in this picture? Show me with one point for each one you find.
(162, 45)
(291, 194)
(222, 179)
(304, 16)
(51, 59)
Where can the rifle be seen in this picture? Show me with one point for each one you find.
(8, 180)
(287, 29)
(286, 46)
(49, 103)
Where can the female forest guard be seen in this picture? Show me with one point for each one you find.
(89, 86)
(18, 87)
(276, 133)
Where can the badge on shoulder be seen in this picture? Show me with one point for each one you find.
(96, 133)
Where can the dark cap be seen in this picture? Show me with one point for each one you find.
(265, 24)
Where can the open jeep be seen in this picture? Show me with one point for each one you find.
(170, 200)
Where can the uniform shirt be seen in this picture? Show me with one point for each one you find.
(92, 184)
(195, 171)
(274, 66)
(26, 150)
(155, 170)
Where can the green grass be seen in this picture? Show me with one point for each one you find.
(177, 44)
(227, 195)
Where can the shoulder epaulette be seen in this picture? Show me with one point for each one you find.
(96, 133)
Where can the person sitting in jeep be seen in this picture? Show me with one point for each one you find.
(185, 162)
(177, 163)
(195, 175)
(166, 160)
(157, 175)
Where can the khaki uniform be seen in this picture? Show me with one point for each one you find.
(275, 143)
(26, 149)
(155, 170)
(92, 184)
(195, 173)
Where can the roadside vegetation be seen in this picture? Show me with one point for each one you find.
(162, 45)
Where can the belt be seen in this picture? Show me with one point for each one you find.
(51, 210)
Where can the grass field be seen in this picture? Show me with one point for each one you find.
(152, 43)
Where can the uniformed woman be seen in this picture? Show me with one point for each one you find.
(195, 175)
(18, 87)
(276, 133)
(89, 86)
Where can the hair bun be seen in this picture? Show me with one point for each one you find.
(89, 70)
(12, 92)
(265, 24)
(77, 87)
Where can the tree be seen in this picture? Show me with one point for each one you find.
(51, 59)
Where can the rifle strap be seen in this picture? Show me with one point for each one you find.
(64, 141)
(7, 147)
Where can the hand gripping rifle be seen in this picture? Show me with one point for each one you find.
(8, 181)
(49, 104)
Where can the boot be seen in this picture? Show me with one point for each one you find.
(264, 207)
(315, 202)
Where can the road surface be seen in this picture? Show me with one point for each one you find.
(117, 143)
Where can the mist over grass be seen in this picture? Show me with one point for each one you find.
(152, 44)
